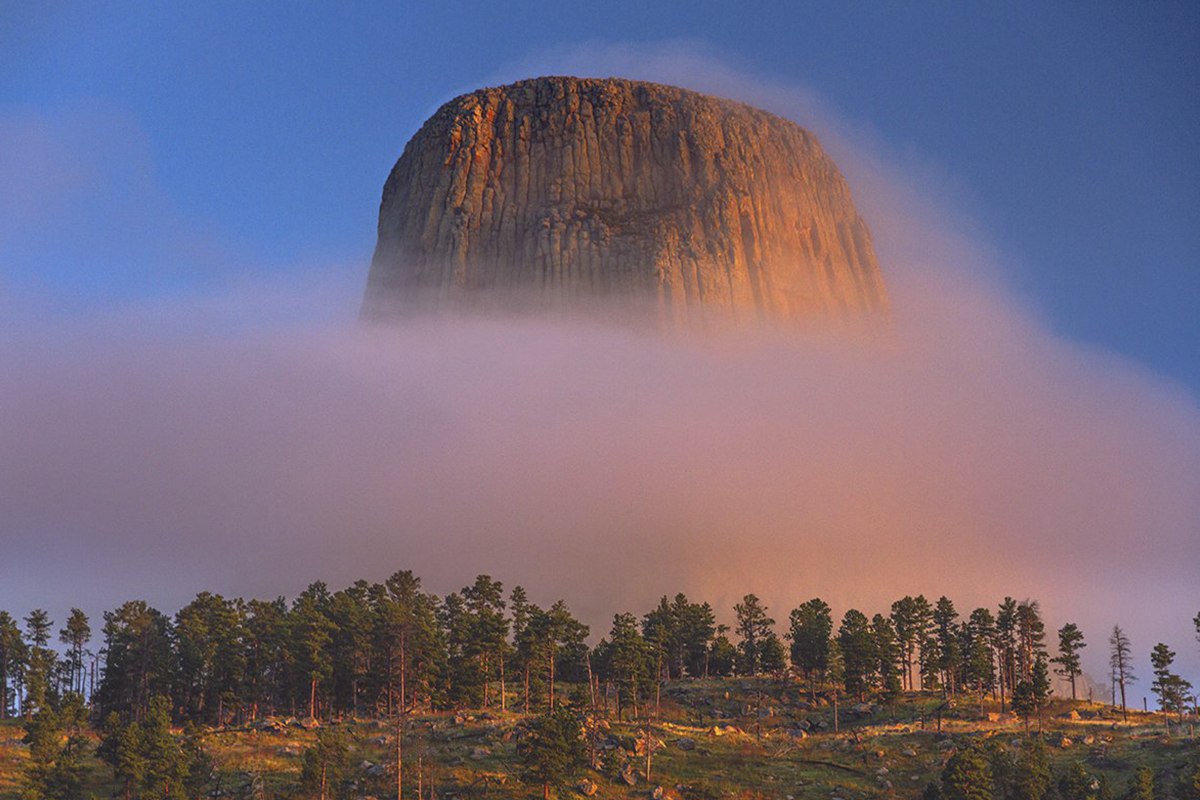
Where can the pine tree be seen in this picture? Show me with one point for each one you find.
(627, 662)
(753, 626)
(553, 752)
(1142, 787)
(772, 655)
(324, 766)
(968, 776)
(1006, 646)
(1172, 689)
(75, 635)
(949, 646)
(165, 766)
(1031, 771)
(137, 659)
(311, 635)
(906, 621)
(40, 662)
(122, 747)
(810, 632)
(12, 660)
(857, 647)
(1030, 694)
(1122, 667)
(980, 666)
(1076, 784)
(1070, 642)
(1031, 637)
(887, 657)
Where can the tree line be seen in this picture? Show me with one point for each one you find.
(382, 649)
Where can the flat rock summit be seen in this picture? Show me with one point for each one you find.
(557, 190)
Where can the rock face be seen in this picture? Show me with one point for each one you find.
(559, 189)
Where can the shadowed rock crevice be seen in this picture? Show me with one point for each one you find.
(560, 190)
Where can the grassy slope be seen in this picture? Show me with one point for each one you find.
(886, 752)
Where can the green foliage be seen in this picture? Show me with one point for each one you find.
(857, 647)
(949, 646)
(1172, 690)
(754, 628)
(325, 766)
(165, 765)
(1031, 778)
(1076, 784)
(1142, 787)
(679, 632)
(55, 770)
(553, 753)
(810, 632)
(1030, 694)
(626, 660)
(722, 656)
(887, 657)
(1070, 642)
(122, 747)
(772, 655)
(968, 776)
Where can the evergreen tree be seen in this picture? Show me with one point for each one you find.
(980, 665)
(949, 647)
(12, 661)
(268, 657)
(350, 613)
(487, 629)
(122, 747)
(210, 656)
(1142, 787)
(772, 655)
(325, 765)
(138, 659)
(1031, 637)
(165, 770)
(1031, 771)
(887, 657)
(1070, 642)
(1172, 689)
(697, 626)
(753, 627)
(1006, 647)
(1122, 667)
(75, 635)
(906, 621)
(1030, 694)
(722, 655)
(810, 632)
(627, 662)
(968, 776)
(553, 752)
(857, 647)
(311, 637)
(1076, 784)
(39, 664)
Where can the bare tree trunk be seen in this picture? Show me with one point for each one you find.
(591, 686)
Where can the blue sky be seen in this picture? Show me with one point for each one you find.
(165, 146)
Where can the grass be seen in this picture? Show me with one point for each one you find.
(880, 751)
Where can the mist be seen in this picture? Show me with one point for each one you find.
(204, 442)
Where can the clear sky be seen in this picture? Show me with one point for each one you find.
(160, 146)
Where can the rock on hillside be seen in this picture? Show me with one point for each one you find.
(563, 189)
